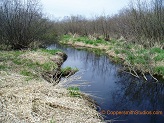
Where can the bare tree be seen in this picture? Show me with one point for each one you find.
(142, 22)
(21, 23)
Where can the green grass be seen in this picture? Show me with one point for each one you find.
(81, 39)
(84, 39)
(159, 70)
(74, 92)
(52, 52)
(159, 57)
(10, 61)
(66, 36)
(3, 67)
(49, 66)
(140, 60)
(142, 51)
(26, 73)
(117, 51)
(18, 61)
(52, 121)
(116, 59)
(68, 69)
(131, 58)
(156, 50)
(113, 41)
(97, 51)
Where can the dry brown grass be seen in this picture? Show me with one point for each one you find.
(37, 101)
(34, 100)
(40, 57)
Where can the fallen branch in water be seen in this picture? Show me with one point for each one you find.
(132, 69)
(153, 77)
(144, 76)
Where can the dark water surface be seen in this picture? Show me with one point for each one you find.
(116, 91)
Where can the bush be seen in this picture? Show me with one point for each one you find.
(22, 23)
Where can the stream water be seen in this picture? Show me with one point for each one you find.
(116, 91)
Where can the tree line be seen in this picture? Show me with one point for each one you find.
(141, 23)
(23, 25)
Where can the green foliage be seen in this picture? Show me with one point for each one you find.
(159, 70)
(98, 51)
(26, 73)
(3, 67)
(84, 39)
(80, 39)
(131, 58)
(124, 51)
(17, 61)
(11, 61)
(66, 37)
(116, 59)
(127, 46)
(74, 92)
(159, 54)
(140, 60)
(156, 50)
(68, 69)
(159, 57)
(116, 51)
(142, 51)
(51, 51)
(52, 120)
(110, 47)
(49, 66)
(113, 41)
(89, 42)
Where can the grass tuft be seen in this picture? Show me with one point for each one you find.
(3, 67)
(26, 73)
(52, 52)
(159, 57)
(159, 70)
(49, 66)
(74, 92)
(156, 50)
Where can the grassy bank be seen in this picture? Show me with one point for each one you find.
(135, 58)
(26, 97)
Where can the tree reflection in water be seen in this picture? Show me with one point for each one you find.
(117, 91)
(134, 94)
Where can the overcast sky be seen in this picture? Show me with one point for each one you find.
(87, 8)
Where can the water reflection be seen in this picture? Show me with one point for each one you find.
(116, 91)
(143, 94)
(88, 61)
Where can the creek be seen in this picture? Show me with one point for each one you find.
(114, 90)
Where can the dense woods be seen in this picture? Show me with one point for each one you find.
(23, 25)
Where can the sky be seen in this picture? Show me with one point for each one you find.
(87, 8)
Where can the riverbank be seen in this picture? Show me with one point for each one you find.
(136, 59)
(26, 97)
